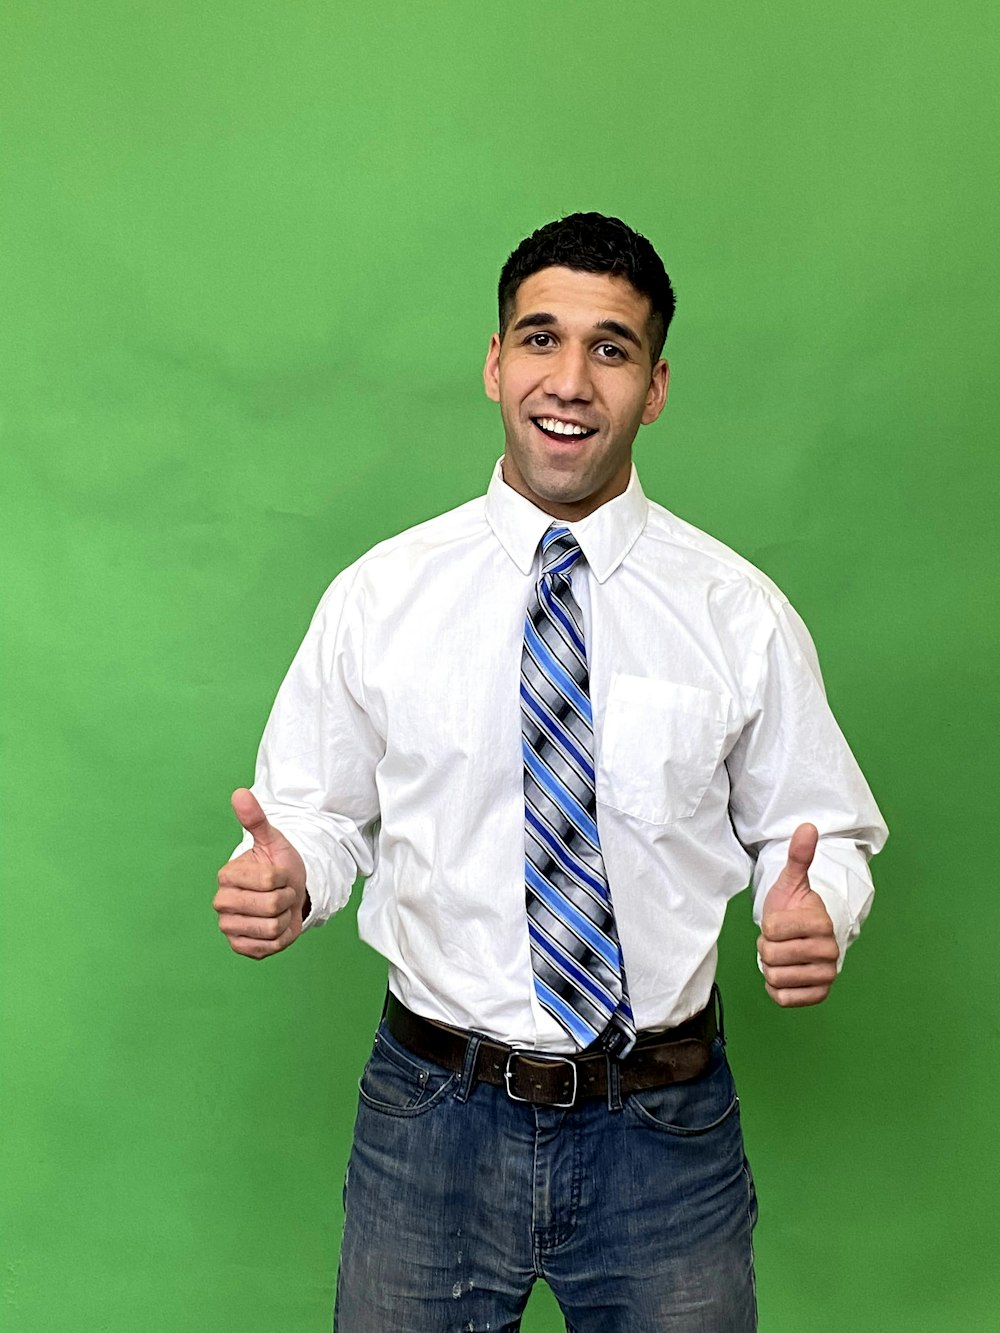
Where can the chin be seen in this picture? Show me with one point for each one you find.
(556, 492)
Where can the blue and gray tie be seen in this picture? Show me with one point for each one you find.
(575, 953)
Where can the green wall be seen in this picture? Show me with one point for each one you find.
(247, 261)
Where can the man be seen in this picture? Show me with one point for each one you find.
(556, 729)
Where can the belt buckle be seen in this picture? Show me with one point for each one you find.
(508, 1074)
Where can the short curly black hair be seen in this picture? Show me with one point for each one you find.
(592, 243)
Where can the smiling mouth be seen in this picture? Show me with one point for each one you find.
(557, 429)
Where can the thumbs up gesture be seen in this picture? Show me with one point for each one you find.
(797, 945)
(262, 892)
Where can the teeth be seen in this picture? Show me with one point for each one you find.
(561, 427)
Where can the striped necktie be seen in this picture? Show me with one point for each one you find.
(575, 953)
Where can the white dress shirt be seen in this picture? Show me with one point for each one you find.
(393, 752)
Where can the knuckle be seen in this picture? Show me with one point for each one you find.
(229, 872)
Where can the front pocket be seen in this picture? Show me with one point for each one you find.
(396, 1085)
(661, 745)
(690, 1109)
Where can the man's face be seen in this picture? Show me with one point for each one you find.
(573, 380)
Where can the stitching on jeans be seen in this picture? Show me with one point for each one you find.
(751, 1210)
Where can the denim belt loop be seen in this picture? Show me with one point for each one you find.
(467, 1081)
(614, 1084)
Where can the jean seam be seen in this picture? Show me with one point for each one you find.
(748, 1178)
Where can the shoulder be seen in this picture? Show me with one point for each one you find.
(439, 533)
(743, 603)
(674, 543)
(404, 561)
(746, 609)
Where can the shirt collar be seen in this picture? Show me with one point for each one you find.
(606, 536)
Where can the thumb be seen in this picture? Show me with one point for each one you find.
(802, 849)
(247, 809)
(791, 888)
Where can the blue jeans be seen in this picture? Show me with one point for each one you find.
(637, 1212)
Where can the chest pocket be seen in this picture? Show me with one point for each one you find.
(661, 746)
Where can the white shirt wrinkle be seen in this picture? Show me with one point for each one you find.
(393, 752)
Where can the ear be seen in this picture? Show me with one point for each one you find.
(656, 396)
(491, 370)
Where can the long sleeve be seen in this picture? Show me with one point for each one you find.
(315, 774)
(792, 765)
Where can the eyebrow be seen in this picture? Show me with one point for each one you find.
(542, 319)
(620, 331)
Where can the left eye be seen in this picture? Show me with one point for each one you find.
(609, 351)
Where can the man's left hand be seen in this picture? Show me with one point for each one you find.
(797, 945)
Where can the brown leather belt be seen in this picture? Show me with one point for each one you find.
(677, 1055)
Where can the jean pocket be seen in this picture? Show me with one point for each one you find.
(661, 745)
(399, 1083)
(688, 1109)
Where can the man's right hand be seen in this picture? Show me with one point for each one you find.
(262, 892)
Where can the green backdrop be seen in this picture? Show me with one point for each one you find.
(247, 261)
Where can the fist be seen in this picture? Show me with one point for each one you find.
(262, 892)
(797, 946)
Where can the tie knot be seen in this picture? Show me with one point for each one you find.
(560, 551)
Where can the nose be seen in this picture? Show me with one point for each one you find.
(568, 375)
